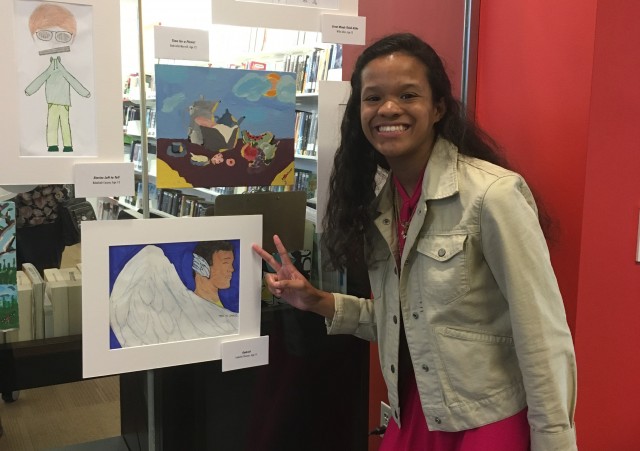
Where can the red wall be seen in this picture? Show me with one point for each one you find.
(608, 333)
(557, 84)
(534, 87)
(439, 22)
(558, 88)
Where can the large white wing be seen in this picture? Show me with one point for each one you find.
(145, 300)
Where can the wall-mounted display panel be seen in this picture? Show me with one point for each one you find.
(62, 91)
(332, 103)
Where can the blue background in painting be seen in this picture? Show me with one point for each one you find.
(177, 87)
(181, 256)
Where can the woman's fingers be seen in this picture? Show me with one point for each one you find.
(266, 257)
(284, 255)
(272, 282)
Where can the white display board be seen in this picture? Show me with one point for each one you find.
(332, 98)
(104, 243)
(90, 52)
(279, 13)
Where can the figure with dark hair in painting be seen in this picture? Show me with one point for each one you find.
(53, 28)
(150, 304)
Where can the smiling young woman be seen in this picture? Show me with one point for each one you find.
(398, 114)
(473, 340)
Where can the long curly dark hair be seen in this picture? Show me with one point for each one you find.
(352, 183)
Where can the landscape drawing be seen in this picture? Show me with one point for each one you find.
(224, 127)
(8, 283)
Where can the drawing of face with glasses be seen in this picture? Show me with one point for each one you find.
(53, 28)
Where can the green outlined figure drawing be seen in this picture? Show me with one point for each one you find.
(53, 28)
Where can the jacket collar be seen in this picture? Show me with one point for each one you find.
(440, 178)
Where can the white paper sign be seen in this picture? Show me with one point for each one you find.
(181, 43)
(103, 179)
(343, 29)
(240, 354)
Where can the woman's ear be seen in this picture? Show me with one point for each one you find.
(441, 109)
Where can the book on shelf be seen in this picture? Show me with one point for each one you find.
(107, 209)
(307, 181)
(204, 208)
(56, 289)
(37, 289)
(305, 133)
(300, 67)
(130, 113)
(73, 279)
(313, 66)
(188, 204)
(165, 199)
(48, 316)
(136, 155)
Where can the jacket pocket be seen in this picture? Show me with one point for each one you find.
(477, 364)
(443, 267)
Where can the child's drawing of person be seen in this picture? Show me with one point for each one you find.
(53, 28)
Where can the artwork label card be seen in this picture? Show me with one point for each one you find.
(181, 43)
(240, 354)
(344, 29)
(103, 179)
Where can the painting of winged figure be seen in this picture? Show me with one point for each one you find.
(168, 292)
(224, 127)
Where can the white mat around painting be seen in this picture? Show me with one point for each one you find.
(97, 238)
(96, 117)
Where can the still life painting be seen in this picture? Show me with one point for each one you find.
(224, 127)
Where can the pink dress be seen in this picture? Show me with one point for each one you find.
(509, 434)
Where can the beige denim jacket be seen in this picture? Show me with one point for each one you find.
(484, 319)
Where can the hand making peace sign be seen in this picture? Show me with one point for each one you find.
(287, 283)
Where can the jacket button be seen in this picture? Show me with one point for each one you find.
(386, 221)
(441, 252)
(393, 369)
(425, 367)
(438, 420)
(415, 316)
(395, 319)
